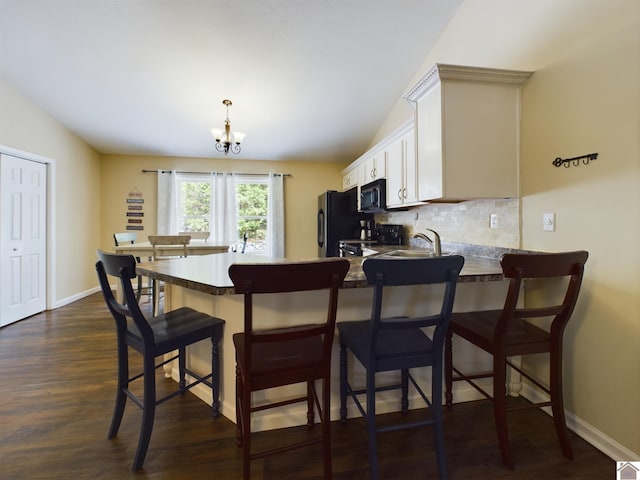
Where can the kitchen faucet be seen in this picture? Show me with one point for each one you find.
(437, 248)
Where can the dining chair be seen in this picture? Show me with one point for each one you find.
(157, 242)
(242, 246)
(154, 337)
(400, 344)
(244, 242)
(197, 235)
(122, 238)
(300, 353)
(509, 332)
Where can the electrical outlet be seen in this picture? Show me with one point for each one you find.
(549, 222)
(493, 221)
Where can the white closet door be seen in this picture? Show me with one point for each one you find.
(23, 193)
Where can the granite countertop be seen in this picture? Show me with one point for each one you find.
(480, 264)
(208, 273)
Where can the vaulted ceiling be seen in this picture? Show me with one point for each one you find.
(309, 79)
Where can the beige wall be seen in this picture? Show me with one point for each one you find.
(589, 101)
(25, 127)
(121, 174)
(583, 98)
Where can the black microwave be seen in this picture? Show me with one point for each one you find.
(373, 196)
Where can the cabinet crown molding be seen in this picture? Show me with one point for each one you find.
(441, 71)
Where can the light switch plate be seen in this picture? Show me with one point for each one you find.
(549, 222)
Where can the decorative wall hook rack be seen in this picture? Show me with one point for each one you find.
(576, 160)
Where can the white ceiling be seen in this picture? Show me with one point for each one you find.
(309, 79)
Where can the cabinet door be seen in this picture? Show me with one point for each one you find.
(396, 174)
(381, 165)
(410, 165)
(402, 172)
(480, 146)
(374, 168)
(350, 179)
(366, 170)
(429, 138)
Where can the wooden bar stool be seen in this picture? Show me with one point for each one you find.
(171, 332)
(399, 344)
(506, 333)
(285, 356)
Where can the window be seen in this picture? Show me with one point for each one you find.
(195, 207)
(194, 204)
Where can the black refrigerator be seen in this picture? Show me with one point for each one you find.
(338, 219)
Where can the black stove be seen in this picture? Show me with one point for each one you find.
(385, 234)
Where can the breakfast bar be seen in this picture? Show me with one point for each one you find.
(203, 283)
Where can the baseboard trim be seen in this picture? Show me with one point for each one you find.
(462, 393)
(584, 430)
(75, 298)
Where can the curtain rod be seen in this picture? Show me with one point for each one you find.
(209, 173)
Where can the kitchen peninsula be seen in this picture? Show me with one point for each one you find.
(203, 283)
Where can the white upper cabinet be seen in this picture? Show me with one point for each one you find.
(350, 178)
(370, 166)
(402, 177)
(467, 124)
(373, 167)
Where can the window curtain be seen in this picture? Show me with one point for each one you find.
(275, 216)
(167, 222)
(224, 221)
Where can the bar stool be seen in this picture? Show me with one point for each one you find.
(285, 356)
(506, 333)
(399, 344)
(167, 333)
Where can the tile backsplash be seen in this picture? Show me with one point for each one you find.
(464, 222)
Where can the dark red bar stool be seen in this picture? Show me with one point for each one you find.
(285, 356)
(508, 332)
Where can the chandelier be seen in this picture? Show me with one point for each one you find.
(226, 140)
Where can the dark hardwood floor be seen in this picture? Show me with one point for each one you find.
(58, 385)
